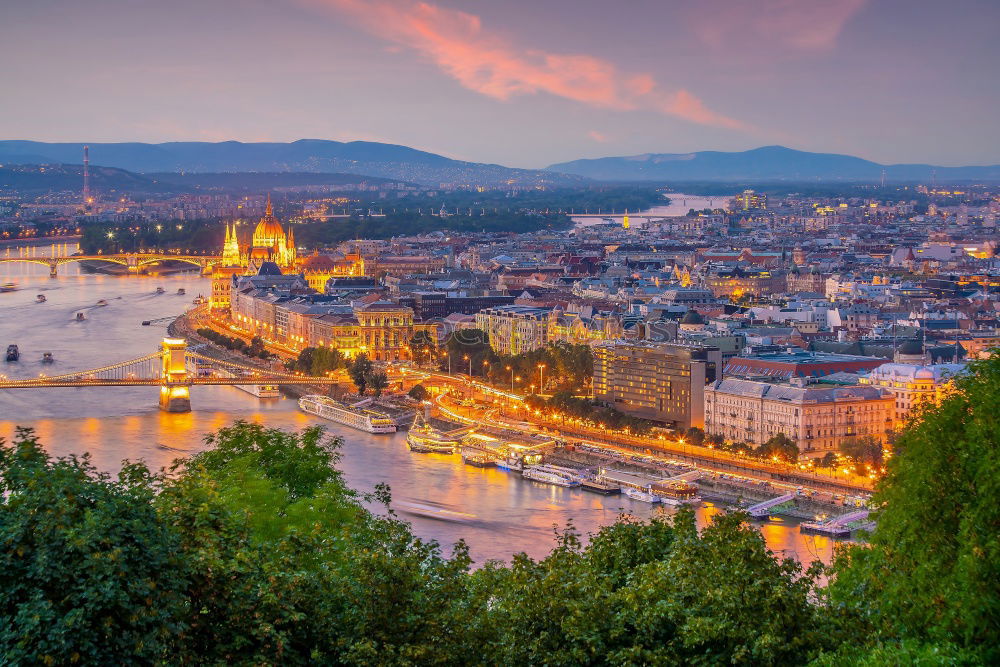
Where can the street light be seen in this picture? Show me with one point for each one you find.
(541, 378)
(511, 379)
(466, 357)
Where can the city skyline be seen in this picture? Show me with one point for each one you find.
(887, 81)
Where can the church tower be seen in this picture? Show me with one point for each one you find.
(231, 249)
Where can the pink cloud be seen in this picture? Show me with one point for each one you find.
(599, 137)
(806, 25)
(456, 42)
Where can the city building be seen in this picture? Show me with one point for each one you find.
(663, 382)
(793, 363)
(514, 329)
(912, 384)
(748, 200)
(817, 417)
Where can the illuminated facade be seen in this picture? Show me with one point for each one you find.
(663, 382)
(817, 417)
(270, 243)
(913, 384)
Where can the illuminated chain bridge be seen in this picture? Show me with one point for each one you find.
(135, 262)
(174, 369)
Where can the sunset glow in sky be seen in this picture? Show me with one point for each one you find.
(516, 82)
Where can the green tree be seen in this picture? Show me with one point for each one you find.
(864, 451)
(422, 347)
(654, 593)
(695, 435)
(780, 446)
(89, 573)
(360, 370)
(378, 381)
(419, 393)
(829, 460)
(930, 572)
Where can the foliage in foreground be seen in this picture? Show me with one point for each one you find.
(256, 552)
(931, 572)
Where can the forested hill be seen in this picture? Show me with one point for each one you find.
(305, 155)
(769, 163)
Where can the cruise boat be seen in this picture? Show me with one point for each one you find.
(198, 300)
(643, 496)
(511, 463)
(361, 419)
(602, 487)
(13, 354)
(478, 459)
(549, 474)
(430, 435)
(40, 298)
(261, 390)
(8, 287)
(47, 358)
(676, 493)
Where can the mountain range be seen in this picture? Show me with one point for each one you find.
(766, 164)
(305, 155)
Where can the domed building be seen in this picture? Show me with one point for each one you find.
(270, 243)
(692, 321)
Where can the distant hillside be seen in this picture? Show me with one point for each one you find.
(770, 163)
(261, 181)
(38, 179)
(306, 155)
(69, 177)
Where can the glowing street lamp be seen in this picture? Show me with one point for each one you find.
(541, 378)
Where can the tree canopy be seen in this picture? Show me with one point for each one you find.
(255, 551)
(930, 573)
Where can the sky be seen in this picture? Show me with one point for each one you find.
(524, 83)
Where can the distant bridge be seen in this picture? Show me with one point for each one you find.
(136, 262)
(174, 369)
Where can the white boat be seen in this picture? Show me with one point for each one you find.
(435, 436)
(676, 493)
(198, 300)
(361, 419)
(40, 298)
(643, 496)
(258, 390)
(261, 390)
(548, 474)
(160, 290)
(80, 317)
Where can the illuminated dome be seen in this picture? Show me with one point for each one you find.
(269, 230)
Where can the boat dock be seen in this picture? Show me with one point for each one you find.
(840, 526)
(763, 510)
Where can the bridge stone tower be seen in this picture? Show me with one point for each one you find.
(175, 391)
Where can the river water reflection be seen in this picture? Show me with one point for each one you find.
(114, 424)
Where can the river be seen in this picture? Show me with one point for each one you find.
(114, 424)
(679, 204)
